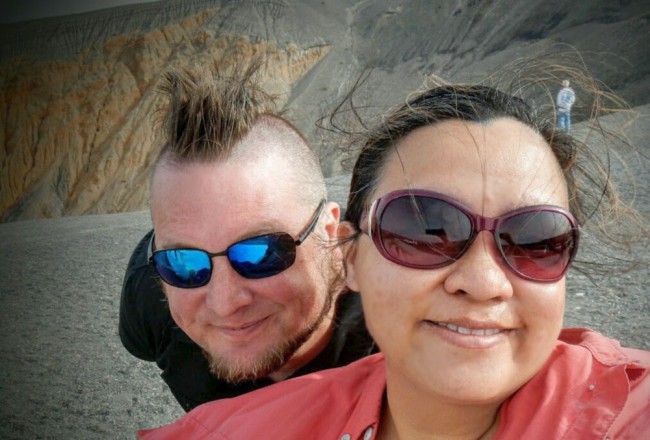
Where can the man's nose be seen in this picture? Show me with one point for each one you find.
(227, 292)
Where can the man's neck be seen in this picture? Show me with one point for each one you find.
(309, 350)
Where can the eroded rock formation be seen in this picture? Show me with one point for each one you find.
(79, 135)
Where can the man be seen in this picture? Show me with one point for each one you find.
(243, 242)
(565, 99)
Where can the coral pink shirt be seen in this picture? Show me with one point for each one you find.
(590, 388)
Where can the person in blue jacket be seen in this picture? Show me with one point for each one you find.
(565, 99)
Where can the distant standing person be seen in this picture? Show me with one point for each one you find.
(565, 99)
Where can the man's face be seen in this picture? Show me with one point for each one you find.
(247, 327)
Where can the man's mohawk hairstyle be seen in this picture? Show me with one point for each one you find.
(210, 110)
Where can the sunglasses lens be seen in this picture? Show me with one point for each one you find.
(538, 244)
(423, 231)
(262, 256)
(183, 268)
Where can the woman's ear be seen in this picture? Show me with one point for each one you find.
(346, 235)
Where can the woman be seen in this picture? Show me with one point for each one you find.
(461, 225)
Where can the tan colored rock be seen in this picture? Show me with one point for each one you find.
(79, 135)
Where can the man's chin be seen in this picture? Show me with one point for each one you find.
(236, 371)
(246, 369)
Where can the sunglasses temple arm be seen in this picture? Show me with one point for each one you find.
(150, 247)
(312, 223)
(371, 214)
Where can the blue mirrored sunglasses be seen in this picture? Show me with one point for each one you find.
(256, 257)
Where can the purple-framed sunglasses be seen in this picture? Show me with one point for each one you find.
(427, 230)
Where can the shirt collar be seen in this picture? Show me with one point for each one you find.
(364, 420)
(606, 351)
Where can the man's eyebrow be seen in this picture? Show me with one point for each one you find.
(262, 230)
(176, 245)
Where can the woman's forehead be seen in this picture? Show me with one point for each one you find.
(466, 159)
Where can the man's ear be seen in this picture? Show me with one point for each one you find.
(332, 215)
(346, 231)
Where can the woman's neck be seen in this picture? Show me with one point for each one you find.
(418, 416)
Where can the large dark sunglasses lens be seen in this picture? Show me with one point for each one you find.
(262, 256)
(538, 245)
(184, 268)
(423, 231)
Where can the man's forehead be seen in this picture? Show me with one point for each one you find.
(240, 189)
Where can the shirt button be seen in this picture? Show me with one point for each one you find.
(346, 437)
(368, 434)
(592, 387)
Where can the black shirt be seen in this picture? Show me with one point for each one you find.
(148, 331)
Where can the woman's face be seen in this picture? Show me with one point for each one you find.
(421, 318)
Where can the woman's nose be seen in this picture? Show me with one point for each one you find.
(480, 272)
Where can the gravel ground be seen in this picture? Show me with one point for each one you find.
(64, 372)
